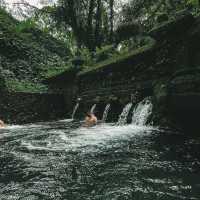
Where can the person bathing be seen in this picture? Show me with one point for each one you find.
(2, 124)
(90, 120)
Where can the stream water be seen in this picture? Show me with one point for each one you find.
(63, 161)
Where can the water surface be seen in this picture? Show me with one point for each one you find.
(63, 161)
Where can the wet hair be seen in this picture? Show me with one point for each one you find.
(89, 114)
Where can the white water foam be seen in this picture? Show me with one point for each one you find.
(66, 120)
(13, 127)
(49, 148)
(100, 136)
(82, 139)
(86, 139)
(26, 126)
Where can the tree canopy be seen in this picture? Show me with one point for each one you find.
(92, 24)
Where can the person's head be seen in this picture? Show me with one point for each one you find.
(89, 114)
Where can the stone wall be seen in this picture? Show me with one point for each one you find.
(183, 97)
(31, 107)
(152, 70)
(169, 50)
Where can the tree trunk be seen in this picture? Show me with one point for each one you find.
(90, 35)
(71, 12)
(98, 24)
(111, 19)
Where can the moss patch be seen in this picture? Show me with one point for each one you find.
(24, 86)
(118, 58)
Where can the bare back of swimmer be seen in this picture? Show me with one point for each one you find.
(90, 120)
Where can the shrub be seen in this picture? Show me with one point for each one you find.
(15, 85)
(25, 25)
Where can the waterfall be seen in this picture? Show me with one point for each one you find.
(141, 112)
(123, 117)
(93, 108)
(134, 97)
(75, 109)
(105, 113)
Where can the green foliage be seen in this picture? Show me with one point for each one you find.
(27, 54)
(88, 20)
(147, 11)
(6, 20)
(127, 30)
(101, 54)
(116, 58)
(55, 71)
(134, 43)
(32, 54)
(193, 2)
(108, 54)
(14, 85)
(46, 23)
(104, 53)
(86, 55)
(25, 25)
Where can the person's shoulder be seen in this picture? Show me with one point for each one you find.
(95, 119)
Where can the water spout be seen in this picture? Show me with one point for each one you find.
(135, 97)
(75, 109)
(123, 117)
(141, 112)
(105, 113)
(93, 108)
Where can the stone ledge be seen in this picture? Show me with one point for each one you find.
(173, 28)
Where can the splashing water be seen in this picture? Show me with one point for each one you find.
(98, 137)
(105, 113)
(93, 108)
(141, 112)
(123, 117)
(75, 109)
(62, 160)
